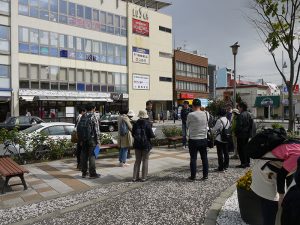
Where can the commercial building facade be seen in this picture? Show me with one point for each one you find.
(61, 54)
(190, 77)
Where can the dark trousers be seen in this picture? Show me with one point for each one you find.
(184, 134)
(223, 156)
(196, 146)
(88, 157)
(78, 154)
(241, 143)
(269, 211)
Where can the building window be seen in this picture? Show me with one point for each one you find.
(24, 84)
(34, 72)
(165, 55)
(165, 79)
(4, 7)
(4, 39)
(4, 71)
(23, 71)
(165, 29)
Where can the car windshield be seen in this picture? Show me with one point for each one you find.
(105, 117)
(32, 129)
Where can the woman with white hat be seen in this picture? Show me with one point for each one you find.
(142, 133)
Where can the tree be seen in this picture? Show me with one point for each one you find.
(276, 22)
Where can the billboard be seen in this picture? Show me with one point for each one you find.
(140, 55)
(141, 82)
(140, 27)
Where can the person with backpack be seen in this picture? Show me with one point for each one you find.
(142, 133)
(184, 113)
(243, 133)
(125, 139)
(78, 147)
(88, 132)
(223, 136)
(197, 124)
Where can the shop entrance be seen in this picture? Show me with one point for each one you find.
(4, 111)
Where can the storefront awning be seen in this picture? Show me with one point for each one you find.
(265, 101)
(69, 99)
(27, 98)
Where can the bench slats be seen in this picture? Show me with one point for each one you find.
(8, 167)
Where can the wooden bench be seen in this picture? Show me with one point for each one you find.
(108, 146)
(9, 169)
(173, 140)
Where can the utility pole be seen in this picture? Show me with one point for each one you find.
(283, 64)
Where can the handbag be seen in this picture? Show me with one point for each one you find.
(210, 136)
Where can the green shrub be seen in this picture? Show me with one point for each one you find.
(106, 138)
(277, 126)
(172, 131)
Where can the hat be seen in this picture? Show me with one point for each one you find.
(131, 113)
(236, 111)
(143, 114)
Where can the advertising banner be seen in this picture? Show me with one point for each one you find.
(141, 82)
(140, 55)
(140, 27)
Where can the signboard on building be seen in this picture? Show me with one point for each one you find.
(141, 82)
(140, 55)
(296, 89)
(140, 13)
(140, 27)
(186, 96)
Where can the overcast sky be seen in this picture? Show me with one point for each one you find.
(211, 26)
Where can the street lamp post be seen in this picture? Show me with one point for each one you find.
(234, 48)
(282, 89)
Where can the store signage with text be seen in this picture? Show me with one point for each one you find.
(186, 96)
(140, 27)
(140, 14)
(141, 82)
(140, 55)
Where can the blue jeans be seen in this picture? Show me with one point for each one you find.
(123, 155)
(184, 134)
(196, 146)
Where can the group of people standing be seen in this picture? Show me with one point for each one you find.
(196, 124)
(132, 134)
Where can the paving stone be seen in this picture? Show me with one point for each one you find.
(48, 193)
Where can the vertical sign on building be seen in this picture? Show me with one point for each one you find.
(140, 55)
(141, 82)
(140, 27)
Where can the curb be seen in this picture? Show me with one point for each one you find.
(215, 208)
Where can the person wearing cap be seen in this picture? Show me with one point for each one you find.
(142, 133)
(197, 136)
(235, 113)
(184, 113)
(125, 141)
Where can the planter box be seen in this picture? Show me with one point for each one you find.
(250, 207)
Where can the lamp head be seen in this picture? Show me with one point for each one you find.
(234, 48)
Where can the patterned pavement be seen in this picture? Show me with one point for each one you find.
(58, 178)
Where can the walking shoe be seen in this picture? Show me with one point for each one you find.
(247, 165)
(143, 180)
(219, 170)
(225, 169)
(95, 176)
(204, 178)
(121, 164)
(241, 166)
(83, 175)
(191, 179)
(126, 164)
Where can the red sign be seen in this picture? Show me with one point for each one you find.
(186, 96)
(296, 89)
(140, 27)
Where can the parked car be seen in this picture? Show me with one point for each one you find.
(20, 122)
(55, 130)
(109, 122)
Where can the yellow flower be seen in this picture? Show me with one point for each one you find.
(245, 181)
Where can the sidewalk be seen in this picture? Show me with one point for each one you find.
(57, 178)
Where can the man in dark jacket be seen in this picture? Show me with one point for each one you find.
(184, 113)
(150, 113)
(243, 130)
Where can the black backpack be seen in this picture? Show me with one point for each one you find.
(225, 132)
(140, 138)
(264, 142)
(85, 129)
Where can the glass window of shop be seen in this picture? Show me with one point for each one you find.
(4, 7)
(62, 11)
(61, 78)
(66, 46)
(4, 39)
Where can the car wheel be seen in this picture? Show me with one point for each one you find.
(111, 128)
